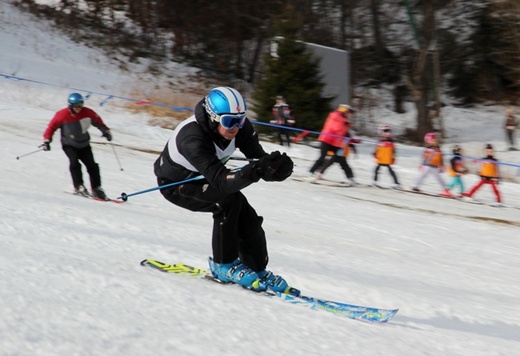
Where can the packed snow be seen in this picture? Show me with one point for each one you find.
(70, 279)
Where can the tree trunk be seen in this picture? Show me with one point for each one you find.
(378, 41)
(417, 80)
(399, 92)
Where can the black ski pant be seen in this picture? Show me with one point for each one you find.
(237, 229)
(325, 160)
(282, 133)
(86, 156)
(392, 173)
(342, 160)
(325, 148)
(510, 136)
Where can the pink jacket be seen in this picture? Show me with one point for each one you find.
(335, 128)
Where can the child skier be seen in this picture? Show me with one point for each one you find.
(432, 164)
(489, 174)
(385, 154)
(456, 169)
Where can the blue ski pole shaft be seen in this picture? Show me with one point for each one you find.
(124, 196)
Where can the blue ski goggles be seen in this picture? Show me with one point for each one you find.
(229, 121)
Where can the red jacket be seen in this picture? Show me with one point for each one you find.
(335, 129)
(74, 127)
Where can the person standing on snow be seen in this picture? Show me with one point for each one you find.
(282, 116)
(332, 138)
(456, 169)
(489, 174)
(433, 164)
(510, 125)
(385, 154)
(201, 145)
(73, 122)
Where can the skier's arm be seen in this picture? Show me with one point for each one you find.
(53, 125)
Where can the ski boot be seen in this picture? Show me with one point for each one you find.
(268, 280)
(99, 193)
(234, 272)
(312, 177)
(446, 193)
(81, 191)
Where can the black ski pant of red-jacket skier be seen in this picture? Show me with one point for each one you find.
(237, 229)
(342, 160)
(86, 156)
(324, 152)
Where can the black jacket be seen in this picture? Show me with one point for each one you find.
(196, 148)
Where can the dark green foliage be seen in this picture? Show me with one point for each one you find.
(295, 75)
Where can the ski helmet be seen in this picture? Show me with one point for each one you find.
(429, 137)
(344, 108)
(226, 106)
(383, 128)
(75, 99)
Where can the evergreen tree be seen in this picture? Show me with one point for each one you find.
(295, 74)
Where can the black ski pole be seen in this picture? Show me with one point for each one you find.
(30, 153)
(234, 158)
(117, 158)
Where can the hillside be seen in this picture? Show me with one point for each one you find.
(70, 280)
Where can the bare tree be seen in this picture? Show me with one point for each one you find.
(378, 39)
(418, 75)
(507, 14)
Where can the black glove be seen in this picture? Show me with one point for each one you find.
(251, 172)
(275, 167)
(46, 145)
(108, 135)
(272, 167)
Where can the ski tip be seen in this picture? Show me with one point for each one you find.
(385, 319)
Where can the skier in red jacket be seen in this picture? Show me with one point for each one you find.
(73, 122)
(332, 137)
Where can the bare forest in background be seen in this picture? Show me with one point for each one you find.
(423, 51)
